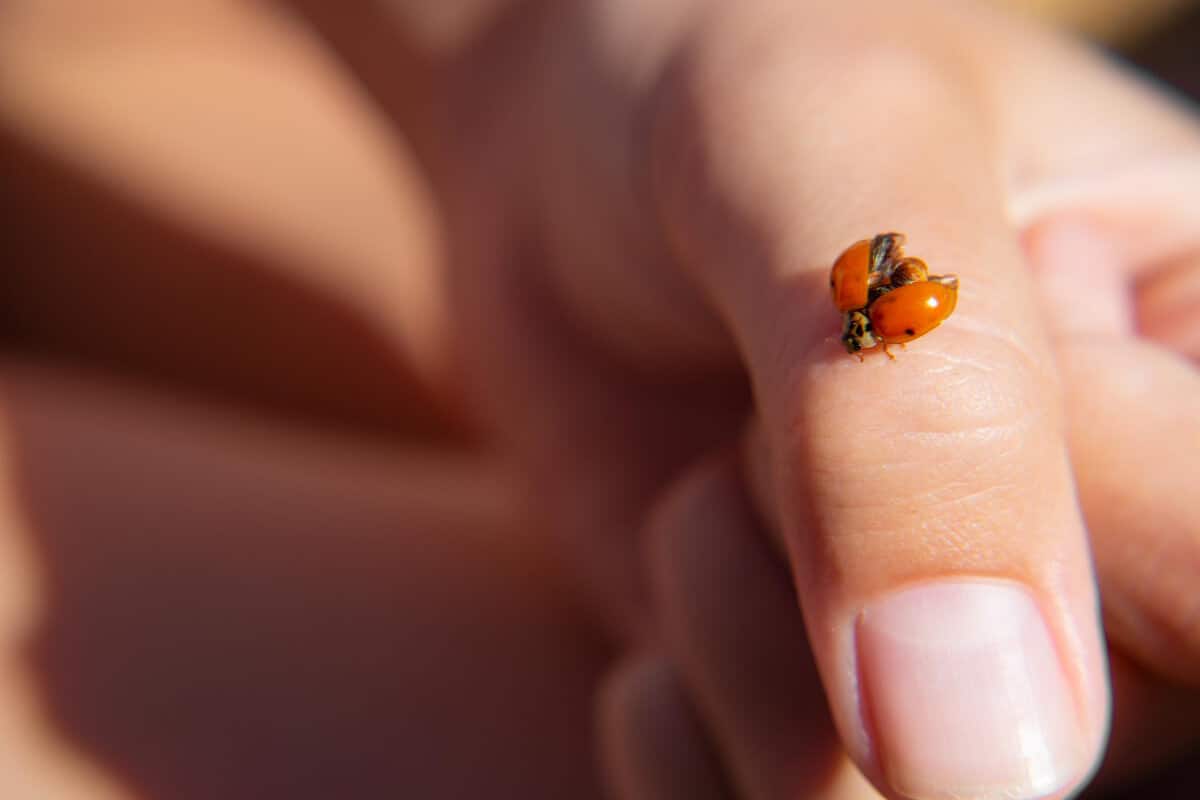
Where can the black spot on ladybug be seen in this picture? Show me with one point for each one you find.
(910, 332)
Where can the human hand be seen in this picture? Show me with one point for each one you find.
(642, 200)
(641, 207)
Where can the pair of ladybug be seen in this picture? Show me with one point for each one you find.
(887, 297)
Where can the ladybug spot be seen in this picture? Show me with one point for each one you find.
(910, 332)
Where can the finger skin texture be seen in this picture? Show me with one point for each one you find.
(653, 745)
(944, 473)
(729, 618)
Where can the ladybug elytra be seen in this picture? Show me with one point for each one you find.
(886, 297)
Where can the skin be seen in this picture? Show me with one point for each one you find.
(599, 341)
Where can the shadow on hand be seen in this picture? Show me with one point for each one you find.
(231, 613)
(94, 274)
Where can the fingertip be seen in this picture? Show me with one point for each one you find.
(965, 696)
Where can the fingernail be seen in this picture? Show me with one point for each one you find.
(965, 694)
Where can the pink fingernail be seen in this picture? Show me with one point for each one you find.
(965, 693)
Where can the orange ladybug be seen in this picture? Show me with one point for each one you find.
(849, 280)
(862, 266)
(913, 310)
(899, 299)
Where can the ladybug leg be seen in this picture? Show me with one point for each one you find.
(903, 346)
(887, 352)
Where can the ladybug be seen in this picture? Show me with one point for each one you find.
(849, 280)
(885, 251)
(911, 311)
(886, 297)
(908, 270)
(862, 266)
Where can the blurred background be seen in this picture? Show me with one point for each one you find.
(230, 567)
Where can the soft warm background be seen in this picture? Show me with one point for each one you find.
(168, 637)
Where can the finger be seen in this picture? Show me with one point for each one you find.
(1132, 435)
(1123, 257)
(1153, 721)
(728, 613)
(1113, 178)
(653, 745)
(1081, 281)
(927, 504)
(1168, 305)
(1135, 435)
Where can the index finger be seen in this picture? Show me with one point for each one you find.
(926, 503)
